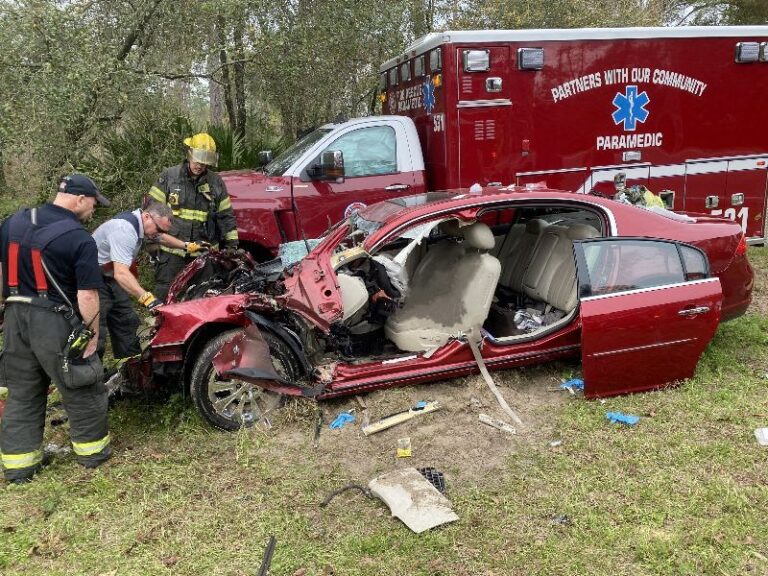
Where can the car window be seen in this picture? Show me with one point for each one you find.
(615, 265)
(368, 151)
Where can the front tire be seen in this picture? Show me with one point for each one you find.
(231, 404)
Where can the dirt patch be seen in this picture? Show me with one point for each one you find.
(452, 439)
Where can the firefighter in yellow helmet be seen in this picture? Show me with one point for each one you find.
(202, 210)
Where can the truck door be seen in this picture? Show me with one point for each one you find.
(377, 167)
(648, 309)
(484, 115)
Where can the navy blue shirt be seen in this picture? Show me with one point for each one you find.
(72, 259)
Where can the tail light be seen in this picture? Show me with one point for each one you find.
(741, 249)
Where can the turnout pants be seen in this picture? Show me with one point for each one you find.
(34, 339)
(118, 319)
(167, 268)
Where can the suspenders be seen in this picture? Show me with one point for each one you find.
(23, 229)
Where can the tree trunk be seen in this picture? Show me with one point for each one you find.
(225, 75)
(239, 79)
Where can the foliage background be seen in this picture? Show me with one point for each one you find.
(111, 87)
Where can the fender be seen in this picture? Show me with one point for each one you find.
(290, 339)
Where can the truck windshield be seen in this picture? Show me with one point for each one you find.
(279, 165)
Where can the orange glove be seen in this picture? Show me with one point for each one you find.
(149, 300)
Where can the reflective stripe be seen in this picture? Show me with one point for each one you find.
(90, 448)
(26, 460)
(176, 251)
(225, 204)
(157, 194)
(186, 214)
(231, 235)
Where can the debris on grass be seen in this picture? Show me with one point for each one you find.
(413, 499)
(498, 424)
(573, 385)
(555, 443)
(762, 436)
(342, 419)
(435, 477)
(395, 419)
(404, 448)
(621, 418)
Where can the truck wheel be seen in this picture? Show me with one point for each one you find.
(231, 404)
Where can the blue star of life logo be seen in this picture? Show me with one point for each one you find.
(630, 108)
(428, 93)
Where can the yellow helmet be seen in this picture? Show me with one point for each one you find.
(201, 148)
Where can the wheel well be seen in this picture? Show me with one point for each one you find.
(204, 335)
(259, 252)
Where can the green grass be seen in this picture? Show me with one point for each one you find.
(683, 492)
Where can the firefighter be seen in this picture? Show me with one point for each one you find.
(50, 286)
(118, 241)
(202, 210)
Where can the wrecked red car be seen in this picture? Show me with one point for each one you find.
(394, 294)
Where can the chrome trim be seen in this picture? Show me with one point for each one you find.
(430, 41)
(756, 241)
(638, 348)
(694, 311)
(649, 289)
(544, 172)
(483, 103)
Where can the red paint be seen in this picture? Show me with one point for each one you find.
(644, 323)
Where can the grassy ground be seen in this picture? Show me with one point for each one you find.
(684, 492)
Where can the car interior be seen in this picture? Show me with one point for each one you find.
(508, 276)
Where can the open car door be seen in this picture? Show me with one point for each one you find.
(648, 309)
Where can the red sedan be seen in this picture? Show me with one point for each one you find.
(395, 295)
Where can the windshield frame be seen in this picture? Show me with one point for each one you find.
(280, 165)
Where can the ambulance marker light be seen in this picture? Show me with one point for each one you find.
(530, 58)
(747, 52)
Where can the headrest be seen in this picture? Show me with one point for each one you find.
(535, 226)
(478, 235)
(580, 231)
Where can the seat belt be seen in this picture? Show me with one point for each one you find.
(491, 384)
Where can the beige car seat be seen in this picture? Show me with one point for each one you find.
(517, 252)
(551, 275)
(449, 295)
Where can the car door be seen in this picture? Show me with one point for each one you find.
(648, 309)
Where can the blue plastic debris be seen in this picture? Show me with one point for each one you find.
(341, 419)
(420, 404)
(619, 418)
(573, 384)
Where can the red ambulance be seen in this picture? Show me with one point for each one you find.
(681, 111)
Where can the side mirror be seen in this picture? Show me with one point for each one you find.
(265, 157)
(331, 166)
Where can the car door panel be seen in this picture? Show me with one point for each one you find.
(642, 338)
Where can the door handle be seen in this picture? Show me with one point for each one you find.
(394, 187)
(694, 311)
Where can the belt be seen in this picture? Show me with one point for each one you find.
(41, 303)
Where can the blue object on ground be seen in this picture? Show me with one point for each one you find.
(340, 420)
(573, 384)
(619, 418)
(421, 404)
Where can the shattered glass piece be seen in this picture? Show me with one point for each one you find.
(292, 252)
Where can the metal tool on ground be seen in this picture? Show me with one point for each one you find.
(492, 384)
(395, 419)
(265, 563)
(498, 424)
